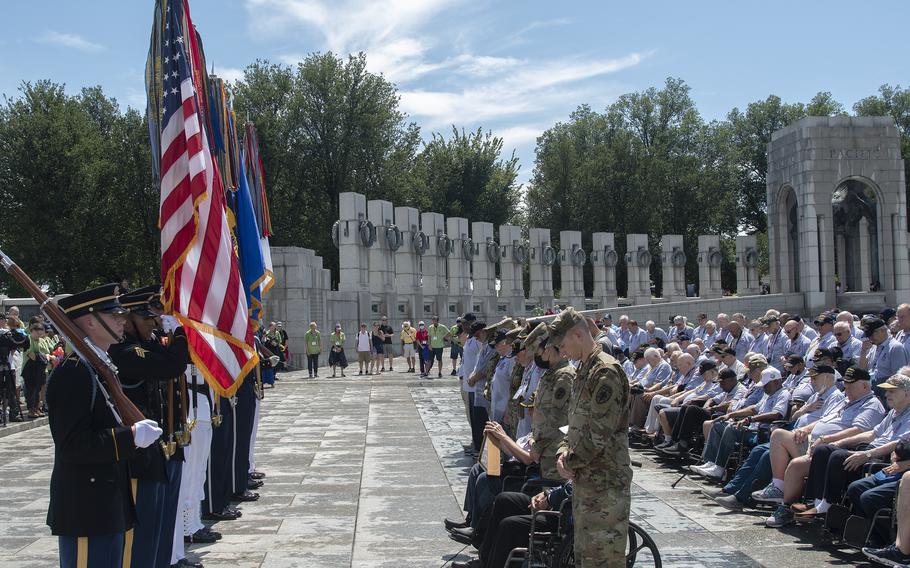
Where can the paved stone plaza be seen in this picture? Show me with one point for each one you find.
(361, 473)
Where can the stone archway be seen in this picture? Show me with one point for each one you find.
(788, 223)
(855, 209)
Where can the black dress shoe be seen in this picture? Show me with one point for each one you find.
(254, 483)
(226, 515)
(245, 496)
(464, 536)
(450, 524)
(472, 563)
(204, 535)
(257, 475)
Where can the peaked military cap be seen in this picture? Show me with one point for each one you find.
(563, 323)
(538, 336)
(103, 299)
(142, 300)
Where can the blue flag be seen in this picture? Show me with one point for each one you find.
(252, 266)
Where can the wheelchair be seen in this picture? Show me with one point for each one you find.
(856, 531)
(555, 548)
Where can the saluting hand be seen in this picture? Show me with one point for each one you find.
(564, 471)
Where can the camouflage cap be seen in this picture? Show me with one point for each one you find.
(537, 336)
(564, 323)
(504, 325)
(897, 381)
(757, 361)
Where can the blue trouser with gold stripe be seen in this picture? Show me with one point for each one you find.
(91, 551)
(142, 544)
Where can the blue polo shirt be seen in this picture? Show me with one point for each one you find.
(885, 360)
(864, 413)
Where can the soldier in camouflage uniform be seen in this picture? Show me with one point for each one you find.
(595, 453)
(551, 401)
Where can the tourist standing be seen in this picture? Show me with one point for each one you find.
(364, 348)
(313, 340)
(457, 337)
(423, 346)
(387, 333)
(408, 339)
(378, 349)
(437, 337)
(336, 355)
(34, 371)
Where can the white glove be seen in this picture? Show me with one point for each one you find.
(273, 360)
(169, 323)
(145, 432)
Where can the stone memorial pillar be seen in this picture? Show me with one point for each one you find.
(513, 258)
(353, 230)
(710, 259)
(572, 259)
(747, 283)
(459, 265)
(433, 263)
(865, 259)
(542, 256)
(638, 269)
(382, 259)
(486, 256)
(407, 264)
(603, 259)
(673, 262)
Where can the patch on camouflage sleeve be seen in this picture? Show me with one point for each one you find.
(560, 393)
(604, 394)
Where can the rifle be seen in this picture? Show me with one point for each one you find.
(82, 345)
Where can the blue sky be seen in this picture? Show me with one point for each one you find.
(513, 67)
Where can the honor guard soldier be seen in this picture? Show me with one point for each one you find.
(595, 452)
(551, 400)
(147, 370)
(91, 504)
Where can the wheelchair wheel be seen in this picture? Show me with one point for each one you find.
(642, 549)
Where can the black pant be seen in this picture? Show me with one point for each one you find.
(689, 422)
(245, 415)
(218, 481)
(508, 528)
(312, 363)
(8, 391)
(479, 417)
(827, 477)
(34, 377)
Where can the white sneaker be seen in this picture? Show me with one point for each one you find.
(769, 494)
(701, 469)
(717, 472)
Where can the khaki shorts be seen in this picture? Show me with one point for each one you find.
(364, 356)
(408, 349)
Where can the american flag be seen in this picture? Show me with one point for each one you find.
(199, 268)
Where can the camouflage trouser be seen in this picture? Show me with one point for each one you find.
(600, 508)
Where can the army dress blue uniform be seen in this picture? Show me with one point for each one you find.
(145, 367)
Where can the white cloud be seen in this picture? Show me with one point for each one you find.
(229, 74)
(72, 41)
(534, 87)
(444, 80)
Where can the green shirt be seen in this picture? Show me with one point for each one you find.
(437, 335)
(313, 341)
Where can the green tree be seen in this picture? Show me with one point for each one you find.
(465, 176)
(75, 180)
(327, 126)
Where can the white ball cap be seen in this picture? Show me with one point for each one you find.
(769, 374)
